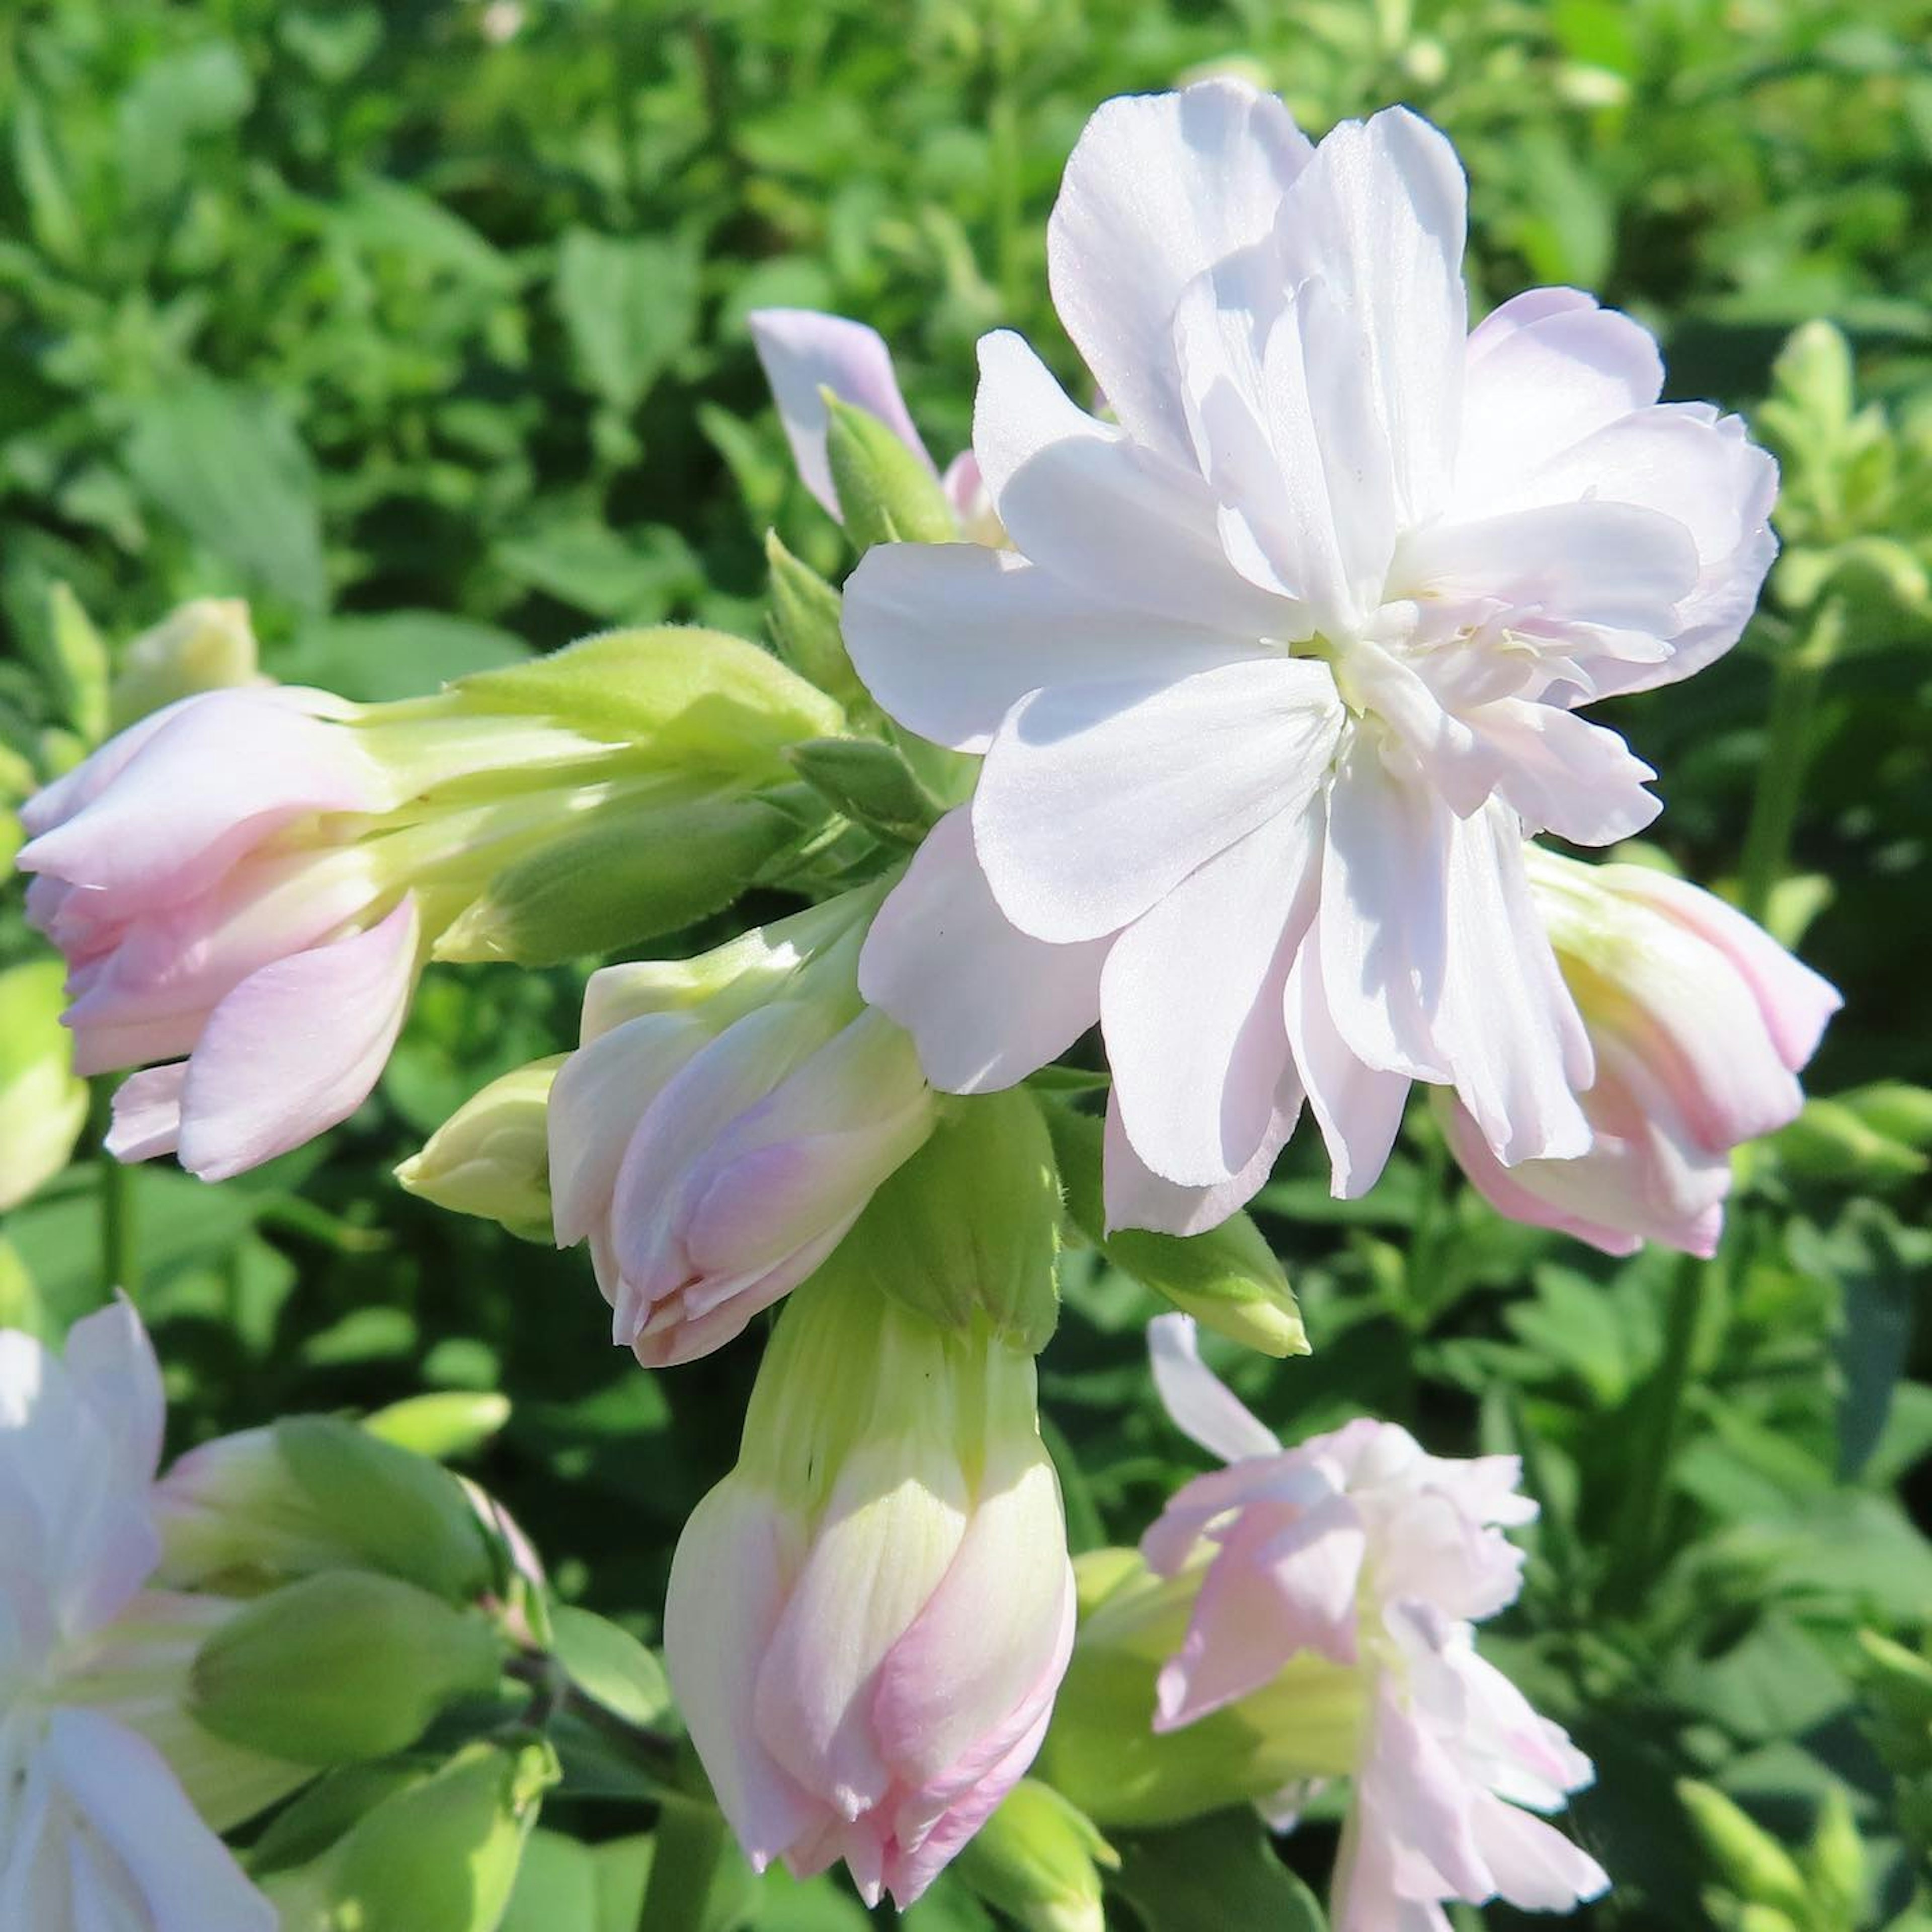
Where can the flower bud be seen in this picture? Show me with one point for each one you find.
(870, 782)
(43, 1106)
(1699, 1021)
(491, 1157)
(343, 1665)
(1755, 1866)
(437, 1853)
(723, 1125)
(805, 627)
(868, 1618)
(887, 493)
(206, 645)
(1038, 1860)
(313, 1493)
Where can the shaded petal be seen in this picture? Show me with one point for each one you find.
(1198, 1403)
(1158, 188)
(297, 1048)
(1566, 775)
(1358, 1108)
(1537, 1868)
(1136, 1196)
(1191, 1004)
(111, 1363)
(803, 352)
(147, 1114)
(1099, 511)
(948, 638)
(1096, 800)
(986, 1004)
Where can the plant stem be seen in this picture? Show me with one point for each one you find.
(119, 1267)
(1640, 1531)
(1786, 755)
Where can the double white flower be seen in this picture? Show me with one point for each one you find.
(1284, 663)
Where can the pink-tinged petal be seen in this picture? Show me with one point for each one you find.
(1411, 1787)
(735, 1564)
(972, 502)
(1566, 775)
(54, 804)
(147, 1114)
(297, 1048)
(1191, 1004)
(598, 1099)
(1137, 1197)
(231, 768)
(1158, 188)
(1540, 379)
(948, 638)
(1358, 1108)
(1198, 1403)
(803, 352)
(1506, 1023)
(1097, 800)
(186, 1879)
(987, 1004)
(673, 1333)
(1378, 214)
(1593, 562)
(1066, 486)
(1537, 1868)
(1795, 1002)
(111, 1364)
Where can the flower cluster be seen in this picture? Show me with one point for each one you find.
(1228, 717)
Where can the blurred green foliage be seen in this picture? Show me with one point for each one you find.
(422, 326)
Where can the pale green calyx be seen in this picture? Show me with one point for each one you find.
(885, 494)
(1038, 1859)
(206, 645)
(43, 1101)
(491, 1157)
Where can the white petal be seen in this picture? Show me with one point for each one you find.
(1566, 775)
(111, 1363)
(1191, 1004)
(1538, 380)
(1082, 499)
(1589, 562)
(1136, 1197)
(1198, 1403)
(986, 1004)
(948, 638)
(186, 1877)
(1158, 188)
(1379, 214)
(1096, 800)
(147, 1113)
(1358, 1108)
(803, 352)
(1537, 1868)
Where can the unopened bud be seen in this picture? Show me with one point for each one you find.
(804, 625)
(43, 1103)
(886, 493)
(341, 1666)
(1755, 1866)
(491, 1157)
(1038, 1860)
(207, 645)
(869, 780)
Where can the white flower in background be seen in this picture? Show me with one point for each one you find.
(98, 1833)
(1283, 664)
(802, 353)
(1358, 1551)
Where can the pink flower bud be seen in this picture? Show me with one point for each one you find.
(714, 1148)
(1699, 1022)
(868, 1619)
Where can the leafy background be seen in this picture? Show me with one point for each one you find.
(422, 327)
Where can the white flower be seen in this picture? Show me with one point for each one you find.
(1281, 667)
(96, 1832)
(1358, 1552)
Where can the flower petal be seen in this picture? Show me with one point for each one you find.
(1134, 1196)
(1158, 188)
(1358, 1108)
(948, 638)
(1566, 775)
(1096, 800)
(1198, 1403)
(986, 1004)
(803, 352)
(1191, 1004)
(148, 1113)
(297, 1048)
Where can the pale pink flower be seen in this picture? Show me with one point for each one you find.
(210, 923)
(722, 1124)
(804, 352)
(96, 1828)
(1700, 1021)
(1284, 661)
(1360, 1548)
(868, 1619)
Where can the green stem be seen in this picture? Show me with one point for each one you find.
(1785, 757)
(119, 1267)
(1640, 1532)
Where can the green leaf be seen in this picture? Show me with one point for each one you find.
(610, 1665)
(1212, 1875)
(629, 306)
(228, 466)
(400, 654)
(556, 1889)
